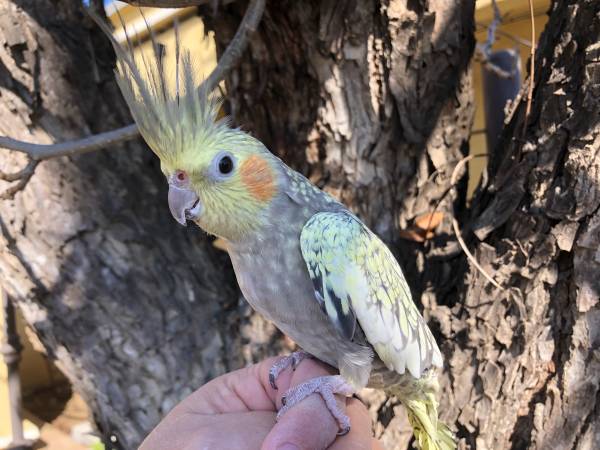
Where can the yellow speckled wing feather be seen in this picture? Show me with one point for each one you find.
(356, 278)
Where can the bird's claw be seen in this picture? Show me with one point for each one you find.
(343, 431)
(296, 360)
(272, 379)
(326, 387)
(292, 361)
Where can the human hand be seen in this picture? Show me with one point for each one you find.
(237, 411)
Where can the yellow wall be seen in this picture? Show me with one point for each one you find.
(191, 31)
(35, 372)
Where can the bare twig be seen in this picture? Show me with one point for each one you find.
(23, 176)
(459, 166)
(453, 181)
(229, 59)
(95, 142)
(531, 71)
(16, 175)
(238, 44)
(470, 255)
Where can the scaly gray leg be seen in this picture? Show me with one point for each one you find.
(287, 361)
(326, 387)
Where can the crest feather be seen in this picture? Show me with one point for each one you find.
(173, 112)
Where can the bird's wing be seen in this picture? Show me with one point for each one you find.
(356, 278)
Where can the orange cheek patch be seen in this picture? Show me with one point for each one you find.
(257, 176)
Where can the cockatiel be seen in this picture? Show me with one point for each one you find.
(301, 258)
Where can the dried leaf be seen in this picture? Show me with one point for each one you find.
(429, 221)
(416, 235)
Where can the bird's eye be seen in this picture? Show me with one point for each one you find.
(225, 165)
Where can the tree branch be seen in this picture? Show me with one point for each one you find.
(238, 44)
(38, 152)
(22, 176)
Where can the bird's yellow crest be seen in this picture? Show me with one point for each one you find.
(175, 112)
(233, 175)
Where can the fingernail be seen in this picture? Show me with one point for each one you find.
(288, 446)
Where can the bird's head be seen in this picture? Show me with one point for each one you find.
(225, 184)
(219, 177)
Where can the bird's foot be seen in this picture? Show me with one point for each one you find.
(287, 361)
(326, 387)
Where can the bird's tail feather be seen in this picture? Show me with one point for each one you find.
(419, 399)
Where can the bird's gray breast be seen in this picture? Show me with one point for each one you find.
(273, 277)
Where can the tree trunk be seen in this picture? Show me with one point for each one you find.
(524, 363)
(372, 100)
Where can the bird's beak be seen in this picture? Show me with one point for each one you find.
(184, 204)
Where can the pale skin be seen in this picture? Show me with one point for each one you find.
(237, 411)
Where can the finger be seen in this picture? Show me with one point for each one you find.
(377, 445)
(242, 431)
(360, 436)
(308, 425)
(245, 389)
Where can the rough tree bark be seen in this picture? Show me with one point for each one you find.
(524, 363)
(372, 100)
